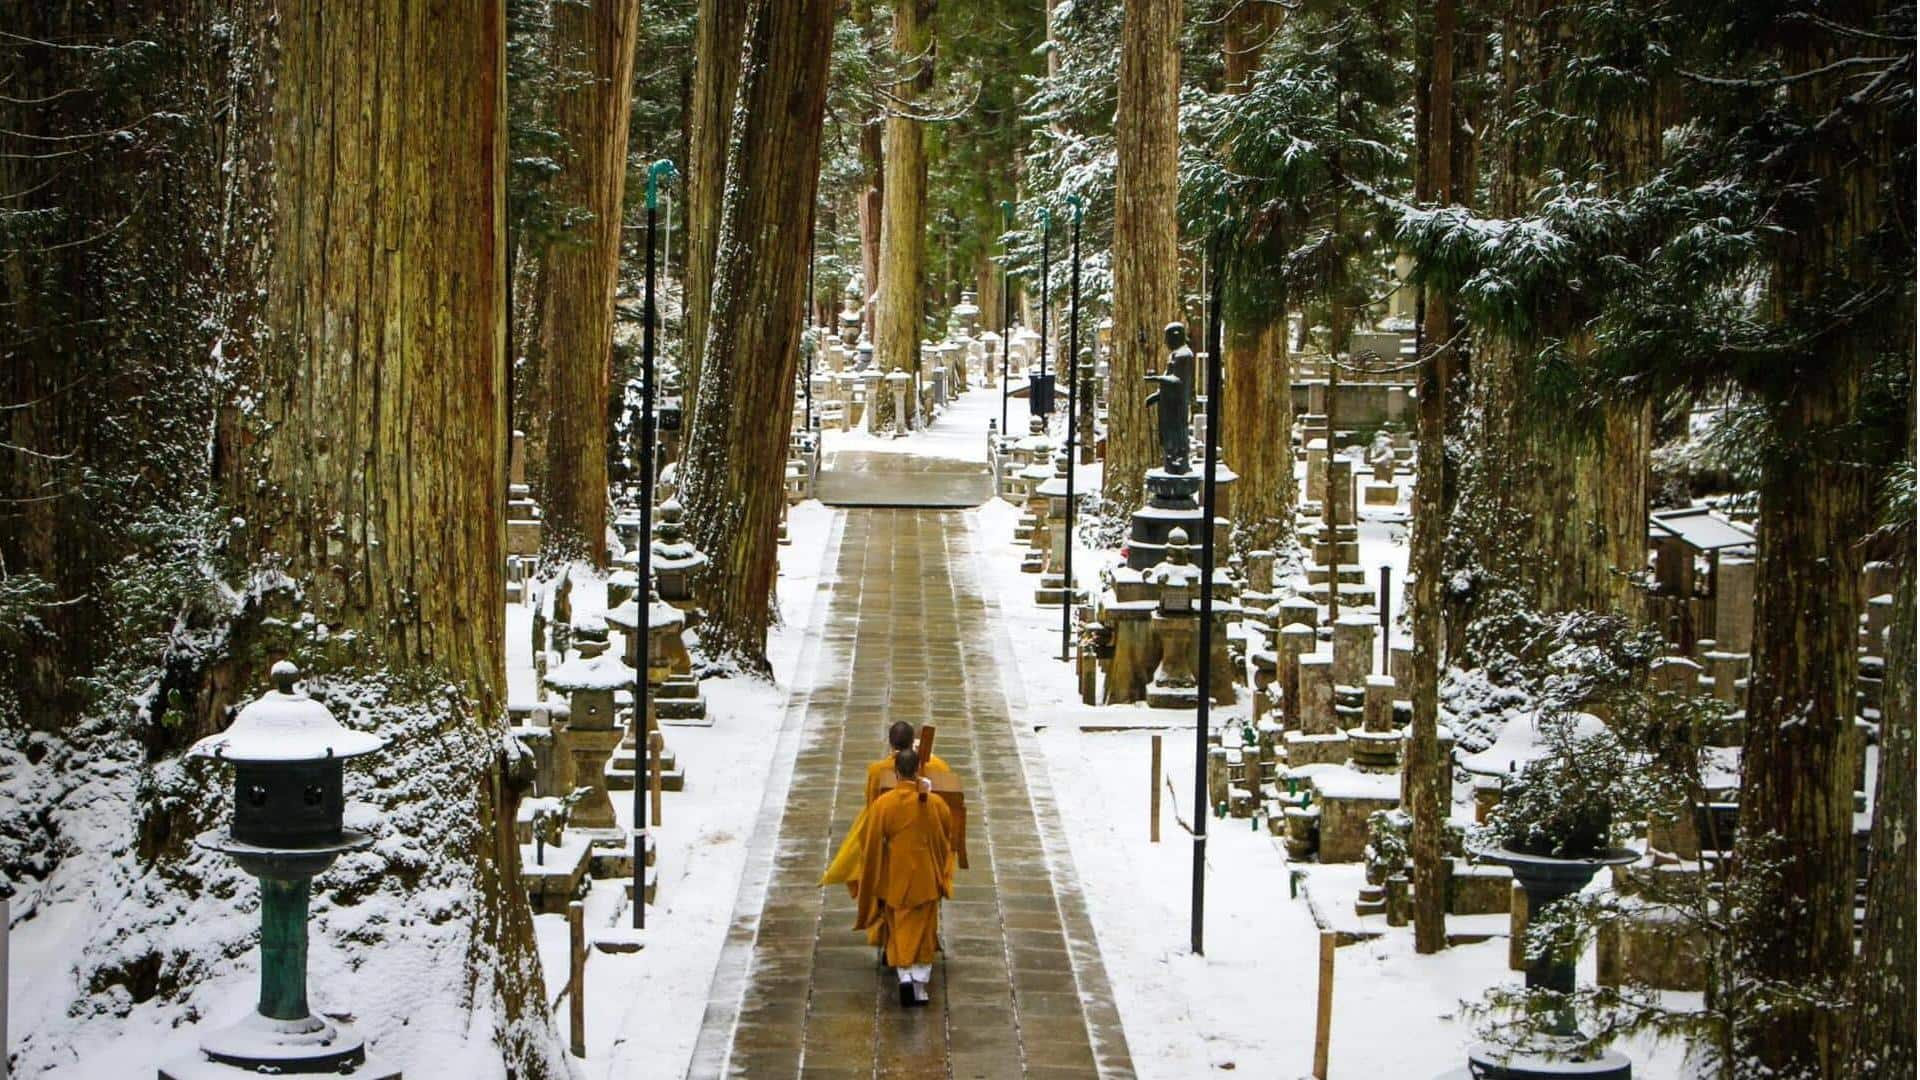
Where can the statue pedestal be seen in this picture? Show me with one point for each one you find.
(1172, 503)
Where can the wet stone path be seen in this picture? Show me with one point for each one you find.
(1019, 989)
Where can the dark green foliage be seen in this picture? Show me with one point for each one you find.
(1299, 171)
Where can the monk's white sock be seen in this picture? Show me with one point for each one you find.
(921, 972)
(906, 974)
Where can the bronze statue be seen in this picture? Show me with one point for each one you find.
(1180, 358)
(1174, 441)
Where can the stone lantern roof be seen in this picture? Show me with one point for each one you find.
(284, 724)
(603, 672)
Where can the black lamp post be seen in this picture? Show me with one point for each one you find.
(287, 752)
(658, 173)
(1040, 387)
(1073, 422)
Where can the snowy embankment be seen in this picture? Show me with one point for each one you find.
(644, 1009)
(1248, 1004)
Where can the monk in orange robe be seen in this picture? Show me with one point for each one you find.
(851, 858)
(908, 871)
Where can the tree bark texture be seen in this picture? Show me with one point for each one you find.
(1795, 856)
(110, 192)
(1256, 408)
(1882, 1035)
(737, 449)
(903, 219)
(1425, 771)
(1146, 255)
(718, 29)
(365, 444)
(580, 274)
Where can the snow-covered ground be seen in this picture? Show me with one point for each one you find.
(1248, 1004)
(644, 1009)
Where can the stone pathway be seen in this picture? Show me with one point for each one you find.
(882, 478)
(1020, 989)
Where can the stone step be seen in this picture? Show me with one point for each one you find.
(669, 709)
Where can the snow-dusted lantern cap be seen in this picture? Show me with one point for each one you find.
(284, 724)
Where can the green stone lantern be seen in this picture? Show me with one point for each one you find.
(287, 752)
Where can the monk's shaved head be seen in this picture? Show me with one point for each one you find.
(906, 763)
(900, 735)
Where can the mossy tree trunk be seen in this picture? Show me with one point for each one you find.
(580, 273)
(1146, 234)
(737, 449)
(365, 445)
(718, 28)
(1795, 857)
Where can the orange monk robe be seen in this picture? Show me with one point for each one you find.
(908, 871)
(851, 857)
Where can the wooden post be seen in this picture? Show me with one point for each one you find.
(657, 743)
(1153, 784)
(577, 978)
(1323, 1013)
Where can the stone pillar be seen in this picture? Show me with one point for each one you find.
(1341, 500)
(1352, 649)
(1733, 605)
(1316, 694)
(1295, 641)
(1317, 473)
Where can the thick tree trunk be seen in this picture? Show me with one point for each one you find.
(1795, 857)
(1256, 407)
(366, 455)
(903, 219)
(579, 276)
(1796, 847)
(718, 29)
(737, 449)
(1425, 771)
(1882, 1031)
(1146, 254)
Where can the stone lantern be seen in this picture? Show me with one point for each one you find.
(675, 559)
(967, 313)
(591, 734)
(287, 752)
(850, 319)
(991, 341)
(897, 382)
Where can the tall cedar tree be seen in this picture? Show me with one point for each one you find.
(1551, 511)
(1146, 234)
(718, 28)
(1767, 254)
(739, 438)
(577, 284)
(1423, 787)
(1257, 387)
(900, 316)
(365, 446)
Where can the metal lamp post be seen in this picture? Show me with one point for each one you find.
(658, 173)
(1073, 421)
(287, 752)
(1205, 666)
(1039, 390)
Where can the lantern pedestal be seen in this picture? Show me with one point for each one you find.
(287, 751)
